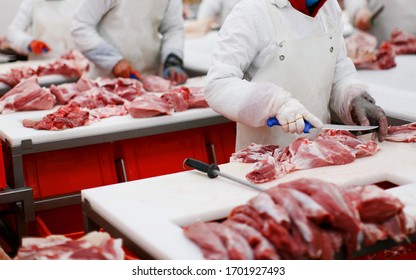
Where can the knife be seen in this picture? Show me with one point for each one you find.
(273, 121)
(376, 13)
(213, 171)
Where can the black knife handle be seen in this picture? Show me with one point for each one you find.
(203, 167)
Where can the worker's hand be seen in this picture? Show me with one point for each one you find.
(175, 74)
(173, 69)
(363, 19)
(125, 70)
(292, 115)
(38, 47)
(364, 111)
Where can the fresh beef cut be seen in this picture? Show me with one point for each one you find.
(402, 133)
(178, 97)
(27, 95)
(153, 83)
(70, 64)
(149, 105)
(402, 42)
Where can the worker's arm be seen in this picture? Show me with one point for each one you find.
(358, 13)
(17, 33)
(86, 37)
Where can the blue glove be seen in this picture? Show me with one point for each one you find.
(173, 69)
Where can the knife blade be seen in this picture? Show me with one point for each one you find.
(376, 13)
(213, 171)
(273, 121)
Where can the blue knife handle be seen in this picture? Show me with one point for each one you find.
(273, 121)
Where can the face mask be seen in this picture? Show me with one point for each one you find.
(311, 2)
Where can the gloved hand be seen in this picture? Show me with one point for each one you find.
(38, 47)
(363, 19)
(292, 114)
(125, 70)
(173, 69)
(364, 111)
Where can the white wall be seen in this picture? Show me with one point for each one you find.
(8, 9)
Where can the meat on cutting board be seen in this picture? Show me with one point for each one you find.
(301, 235)
(328, 148)
(15, 75)
(153, 83)
(93, 246)
(149, 105)
(402, 133)
(27, 95)
(402, 42)
(178, 97)
(70, 64)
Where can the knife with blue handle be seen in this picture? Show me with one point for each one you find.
(308, 126)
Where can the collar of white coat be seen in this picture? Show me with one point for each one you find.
(280, 3)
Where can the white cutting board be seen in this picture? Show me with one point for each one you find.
(151, 211)
(394, 89)
(12, 129)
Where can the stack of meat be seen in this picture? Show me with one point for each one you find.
(88, 101)
(362, 49)
(330, 147)
(304, 219)
(93, 246)
(71, 64)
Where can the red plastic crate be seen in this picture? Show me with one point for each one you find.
(71, 170)
(161, 154)
(3, 183)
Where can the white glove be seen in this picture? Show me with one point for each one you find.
(291, 116)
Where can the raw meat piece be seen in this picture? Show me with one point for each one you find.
(96, 98)
(402, 133)
(357, 147)
(301, 154)
(402, 42)
(178, 98)
(126, 88)
(264, 205)
(27, 95)
(329, 196)
(94, 246)
(68, 116)
(262, 248)
(247, 215)
(108, 111)
(237, 246)
(254, 153)
(15, 75)
(197, 98)
(70, 64)
(153, 83)
(149, 105)
(209, 242)
(369, 199)
(64, 92)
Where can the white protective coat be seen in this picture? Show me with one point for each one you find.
(142, 32)
(249, 46)
(45, 20)
(212, 9)
(396, 14)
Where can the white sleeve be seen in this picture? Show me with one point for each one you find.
(352, 7)
(18, 32)
(86, 37)
(209, 9)
(227, 92)
(172, 30)
(346, 84)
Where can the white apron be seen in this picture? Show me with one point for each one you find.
(304, 67)
(51, 24)
(131, 27)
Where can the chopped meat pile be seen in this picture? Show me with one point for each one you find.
(329, 148)
(303, 219)
(362, 49)
(93, 246)
(402, 42)
(71, 64)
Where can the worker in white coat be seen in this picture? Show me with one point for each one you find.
(215, 10)
(396, 14)
(41, 29)
(286, 59)
(132, 38)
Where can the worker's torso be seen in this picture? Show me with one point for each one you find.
(303, 66)
(132, 27)
(51, 23)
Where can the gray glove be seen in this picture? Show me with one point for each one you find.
(364, 111)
